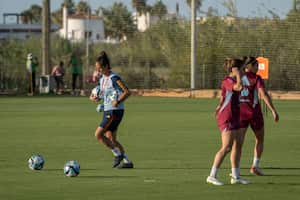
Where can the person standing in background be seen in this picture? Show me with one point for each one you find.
(31, 65)
(58, 73)
(76, 64)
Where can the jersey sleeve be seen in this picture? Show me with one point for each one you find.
(260, 83)
(227, 84)
(119, 84)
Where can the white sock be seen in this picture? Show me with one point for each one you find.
(235, 172)
(214, 172)
(116, 151)
(125, 159)
(255, 162)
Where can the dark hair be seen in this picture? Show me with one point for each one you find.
(230, 63)
(249, 60)
(103, 59)
(61, 63)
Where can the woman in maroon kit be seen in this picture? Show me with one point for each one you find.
(227, 114)
(250, 110)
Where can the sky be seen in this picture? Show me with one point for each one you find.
(246, 8)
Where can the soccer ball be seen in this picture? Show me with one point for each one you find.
(96, 91)
(72, 168)
(36, 162)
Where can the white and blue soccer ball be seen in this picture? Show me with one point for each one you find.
(72, 168)
(36, 162)
(96, 91)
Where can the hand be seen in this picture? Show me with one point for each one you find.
(217, 110)
(275, 116)
(114, 103)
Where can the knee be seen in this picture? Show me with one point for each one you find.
(99, 135)
(226, 149)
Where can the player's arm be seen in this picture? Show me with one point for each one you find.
(125, 92)
(267, 99)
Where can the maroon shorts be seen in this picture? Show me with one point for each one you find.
(230, 124)
(256, 122)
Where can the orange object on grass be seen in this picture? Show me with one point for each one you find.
(263, 67)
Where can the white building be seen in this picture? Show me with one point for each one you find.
(78, 27)
(146, 20)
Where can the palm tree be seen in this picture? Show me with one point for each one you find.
(70, 6)
(139, 5)
(159, 9)
(197, 2)
(32, 15)
(231, 7)
(83, 7)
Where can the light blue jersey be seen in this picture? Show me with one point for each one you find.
(111, 89)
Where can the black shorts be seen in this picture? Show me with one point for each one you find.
(111, 120)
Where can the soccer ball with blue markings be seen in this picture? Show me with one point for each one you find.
(36, 162)
(72, 168)
(96, 91)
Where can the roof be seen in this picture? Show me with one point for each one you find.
(84, 16)
(25, 27)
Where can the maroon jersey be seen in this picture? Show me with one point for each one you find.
(249, 102)
(228, 114)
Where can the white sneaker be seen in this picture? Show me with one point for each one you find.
(213, 180)
(239, 181)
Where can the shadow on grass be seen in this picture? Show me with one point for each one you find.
(282, 168)
(108, 177)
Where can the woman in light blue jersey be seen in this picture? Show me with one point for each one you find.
(114, 93)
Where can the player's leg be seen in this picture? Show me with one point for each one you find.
(33, 83)
(227, 141)
(235, 158)
(74, 77)
(126, 162)
(237, 147)
(101, 137)
(258, 129)
(258, 150)
(117, 116)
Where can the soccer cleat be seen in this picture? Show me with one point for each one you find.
(256, 171)
(239, 181)
(126, 166)
(117, 161)
(214, 181)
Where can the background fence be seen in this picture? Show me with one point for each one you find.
(159, 57)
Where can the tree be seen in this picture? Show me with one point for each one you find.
(140, 6)
(159, 9)
(82, 7)
(197, 2)
(70, 6)
(118, 21)
(230, 5)
(57, 14)
(32, 15)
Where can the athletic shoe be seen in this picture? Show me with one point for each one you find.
(117, 161)
(256, 171)
(214, 181)
(239, 181)
(126, 166)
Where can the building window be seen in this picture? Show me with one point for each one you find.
(98, 36)
(87, 34)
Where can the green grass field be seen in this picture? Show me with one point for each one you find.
(172, 142)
